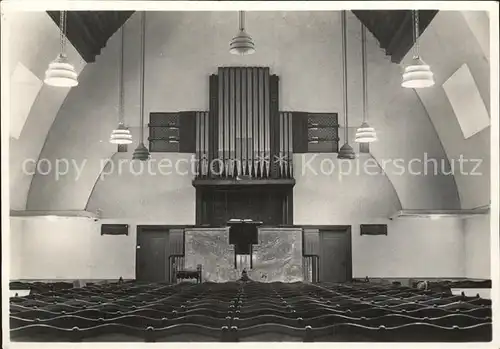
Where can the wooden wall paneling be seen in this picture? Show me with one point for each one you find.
(152, 253)
(299, 132)
(275, 132)
(342, 259)
(213, 123)
(271, 206)
(164, 132)
(311, 242)
(176, 241)
(187, 132)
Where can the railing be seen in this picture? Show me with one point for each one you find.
(259, 166)
(176, 263)
(311, 268)
(178, 271)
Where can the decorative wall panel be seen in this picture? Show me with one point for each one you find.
(277, 257)
(210, 247)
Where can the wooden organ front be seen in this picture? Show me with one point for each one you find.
(244, 150)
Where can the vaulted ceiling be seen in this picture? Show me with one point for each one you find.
(89, 31)
(409, 124)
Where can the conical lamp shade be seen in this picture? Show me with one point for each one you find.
(61, 73)
(365, 134)
(141, 153)
(417, 75)
(121, 135)
(346, 152)
(242, 44)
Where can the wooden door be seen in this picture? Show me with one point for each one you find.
(335, 257)
(152, 255)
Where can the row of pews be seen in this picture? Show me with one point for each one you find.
(248, 311)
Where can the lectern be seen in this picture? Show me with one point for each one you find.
(243, 233)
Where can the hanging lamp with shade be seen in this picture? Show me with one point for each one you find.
(121, 135)
(61, 73)
(346, 151)
(242, 44)
(418, 74)
(141, 152)
(365, 133)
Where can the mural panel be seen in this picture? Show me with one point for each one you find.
(277, 257)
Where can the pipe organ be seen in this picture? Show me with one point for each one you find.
(244, 148)
(244, 135)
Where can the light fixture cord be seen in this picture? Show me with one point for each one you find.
(62, 31)
(242, 20)
(365, 73)
(143, 54)
(344, 76)
(416, 31)
(121, 114)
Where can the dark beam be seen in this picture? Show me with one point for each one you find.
(89, 31)
(394, 29)
(405, 28)
(402, 41)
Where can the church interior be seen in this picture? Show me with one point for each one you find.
(241, 176)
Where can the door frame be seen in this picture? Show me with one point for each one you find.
(345, 229)
(145, 229)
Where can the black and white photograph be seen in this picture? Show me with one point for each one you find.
(250, 171)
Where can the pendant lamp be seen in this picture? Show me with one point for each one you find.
(346, 151)
(61, 73)
(141, 152)
(242, 43)
(418, 74)
(365, 133)
(121, 135)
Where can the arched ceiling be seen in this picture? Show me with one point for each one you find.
(408, 124)
(448, 43)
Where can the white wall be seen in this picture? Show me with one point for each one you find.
(478, 247)
(34, 42)
(16, 243)
(74, 248)
(158, 193)
(413, 247)
(65, 248)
